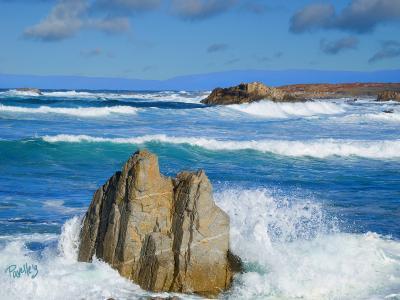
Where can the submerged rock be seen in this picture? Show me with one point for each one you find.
(389, 95)
(246, 93)
(164, 234)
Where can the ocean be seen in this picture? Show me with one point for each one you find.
(312, 189)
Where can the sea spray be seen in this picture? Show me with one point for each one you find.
(68, 241)
(293, 250)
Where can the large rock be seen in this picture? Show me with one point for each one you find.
(389, 95)
(164, 234)
(246, 93)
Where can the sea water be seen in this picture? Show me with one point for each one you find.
(312, 189)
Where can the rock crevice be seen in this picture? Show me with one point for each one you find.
(164, 234)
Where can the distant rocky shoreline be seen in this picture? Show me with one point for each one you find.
(256, 91)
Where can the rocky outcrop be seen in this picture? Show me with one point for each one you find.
(164, 234)
(389, 95)
(246, 93)
(29, 90)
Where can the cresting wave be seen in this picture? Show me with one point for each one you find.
(181, 96)
(322, 148)
(269, 109)
(293, 250)
(78, 111)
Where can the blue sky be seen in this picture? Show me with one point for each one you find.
(159, 39)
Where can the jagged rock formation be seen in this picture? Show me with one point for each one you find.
(246, 93)
(30, 90)
(164, 234)
(389, 95)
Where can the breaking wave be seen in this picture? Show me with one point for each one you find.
(59, 271)
(78, 111)
(17, 93)
(320, 148)
(269, 109)
(293, 250)
(181, 96)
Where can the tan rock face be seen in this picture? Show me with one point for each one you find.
(389, 95)
(164, 234)
(245, 93)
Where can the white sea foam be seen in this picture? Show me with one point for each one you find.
(269, 109)
(377, 117)
(60, 275)
(19, 93)
(181, 96)
(78, 111)
(320, 148)
(59, 207)
(292, 250)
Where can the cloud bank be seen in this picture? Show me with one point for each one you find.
(337, 46)
(359, 16)
(389, 49)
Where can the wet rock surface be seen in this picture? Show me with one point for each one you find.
(164, 234)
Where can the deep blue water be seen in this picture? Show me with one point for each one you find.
(321, 180)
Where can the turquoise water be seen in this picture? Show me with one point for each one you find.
(312, 189)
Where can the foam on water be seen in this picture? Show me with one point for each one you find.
(60, 275)
(16, 93)
(377, 117)
(269, 109)
(78, 111)
(181, 96)
(320, 148)
(293, 250)
(59, 207)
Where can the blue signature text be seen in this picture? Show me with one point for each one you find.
(29, 270)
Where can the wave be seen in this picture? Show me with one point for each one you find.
(78, 111)
(60, 275)
(19, 93)
(269, 109)
(378, 117)
(294, 250)
(181, 96)
(321, 148)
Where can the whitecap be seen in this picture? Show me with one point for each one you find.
(77, 111)
(19, 93)
(320, 148)
(293, 250)
(60, 276)
(269, 109)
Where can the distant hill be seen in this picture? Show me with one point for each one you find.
(199, 81)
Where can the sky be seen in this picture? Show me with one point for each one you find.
(160, 39)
